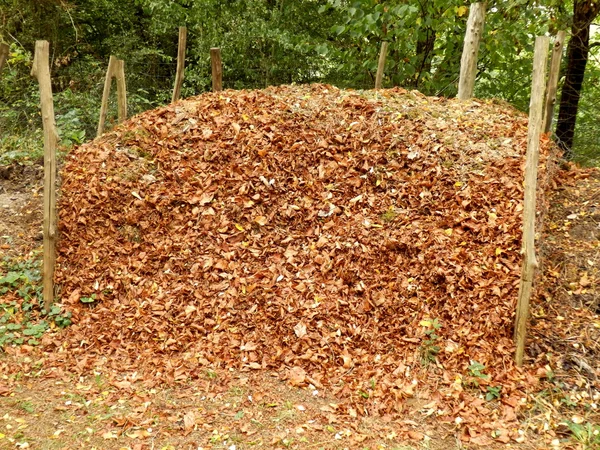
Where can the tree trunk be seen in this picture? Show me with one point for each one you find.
(425, 47)
(584, 13)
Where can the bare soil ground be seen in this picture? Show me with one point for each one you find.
(44, 409)
(20, 209)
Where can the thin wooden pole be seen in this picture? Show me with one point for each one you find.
(180, 64)
(217, 69)
(4, 49)
(381, 64)
(41, 70)
(534, 129)
(553, 80)
(121, 90)
(468, 62)
(112, 63)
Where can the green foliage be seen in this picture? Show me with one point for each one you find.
(493, 393)
(429, 348)
(263, 42)
(477, 370)
(26, 406)
(587, 139)
(587, 434)
(476, 374)
(88, 300)
(23, 321)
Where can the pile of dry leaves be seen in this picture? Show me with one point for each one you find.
(363, 242)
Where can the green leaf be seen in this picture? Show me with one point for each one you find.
(90, 299)
(10, 278)
(339, 29)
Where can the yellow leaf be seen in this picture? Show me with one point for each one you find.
(2, 436)
(461, 10)
(239, 227)
(499, 251)
(448, 232)
(458, 184)
(425, 323)
(109, 435)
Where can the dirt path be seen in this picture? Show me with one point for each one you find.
(45, 409)
(20, 209)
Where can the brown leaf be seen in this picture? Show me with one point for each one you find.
(189, 421)
(296, 376)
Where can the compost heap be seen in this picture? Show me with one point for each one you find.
(330, 235)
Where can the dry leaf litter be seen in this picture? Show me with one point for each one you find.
(360, 242)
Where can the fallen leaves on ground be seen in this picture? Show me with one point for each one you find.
(565, 320)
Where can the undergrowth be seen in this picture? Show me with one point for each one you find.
(22, 318)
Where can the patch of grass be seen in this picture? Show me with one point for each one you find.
(287, 414)
(26, 406)
(211, 374)
(237, 391)
(587, 434)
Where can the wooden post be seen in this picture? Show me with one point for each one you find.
(41, 70)
(180, 64)
(112, 62)
(534, 129)
(381, 64)
(468, 62)
(4, 49)
(116, 69)
(121, 90)
(217, 69)
(553, 80)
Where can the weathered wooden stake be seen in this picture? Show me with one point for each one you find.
(180, 64)
(553, 80)
(121, 91)
(4, 49)
(41, 70)
(536, 106)
(381, 64)
(116, 69)
(112, 63)
(468, 62)
(217, 69)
